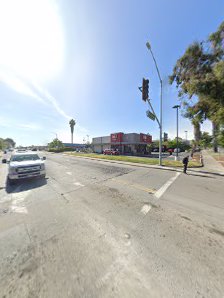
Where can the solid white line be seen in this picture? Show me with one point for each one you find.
(162, 189)
(145, 209)
(69, 173)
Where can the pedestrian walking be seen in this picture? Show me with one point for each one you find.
(185, 162)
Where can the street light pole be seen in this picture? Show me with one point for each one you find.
(161, 104)
(186, 134)
(177, 107)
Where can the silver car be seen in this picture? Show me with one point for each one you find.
(25, 165)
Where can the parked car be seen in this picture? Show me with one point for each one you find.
(157, 149)
(179, 150)
(21, 150)
(25, 165)
(115, 152)
(111, 152)
(170, 150)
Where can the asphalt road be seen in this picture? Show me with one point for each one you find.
(98, 229)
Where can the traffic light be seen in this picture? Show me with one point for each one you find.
(145, 89)
(165, 137)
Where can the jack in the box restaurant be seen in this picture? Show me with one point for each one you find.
(126, 143)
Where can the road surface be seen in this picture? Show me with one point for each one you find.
(99, 229)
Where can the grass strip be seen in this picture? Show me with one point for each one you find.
(140, 160)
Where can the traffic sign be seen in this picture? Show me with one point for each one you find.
(150, 115)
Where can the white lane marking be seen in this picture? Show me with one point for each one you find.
(69, 173)
(17, 205)
(162, 189)
(145, 209)
(78, 184)
(17, 209)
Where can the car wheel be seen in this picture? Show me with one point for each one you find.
(43, 176)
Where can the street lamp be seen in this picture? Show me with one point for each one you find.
(177, 107)
(186, 134)
(161, 103)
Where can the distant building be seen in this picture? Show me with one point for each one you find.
(129, 143)
(74, 146)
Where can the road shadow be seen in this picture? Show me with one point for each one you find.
(200, 175)
(25, 184)
(208, 172)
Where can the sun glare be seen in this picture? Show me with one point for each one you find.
(31, 38)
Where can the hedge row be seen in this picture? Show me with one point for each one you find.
(60, 150)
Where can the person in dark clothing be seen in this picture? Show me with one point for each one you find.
(185, 162)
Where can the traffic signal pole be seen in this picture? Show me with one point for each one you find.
(161, 104)
(160, 126)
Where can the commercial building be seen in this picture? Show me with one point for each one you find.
(126, 143)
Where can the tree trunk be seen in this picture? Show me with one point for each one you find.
(197, 131)
(72, 137)
(215, 129)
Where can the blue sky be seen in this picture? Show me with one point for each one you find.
(86, 59)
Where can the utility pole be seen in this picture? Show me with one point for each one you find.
(161, 104)
(177, 107)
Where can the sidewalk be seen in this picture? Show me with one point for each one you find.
(210, 164)
(196, 171)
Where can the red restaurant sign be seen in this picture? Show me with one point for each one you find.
(116, 137)
(145, 138)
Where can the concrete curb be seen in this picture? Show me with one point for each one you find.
(149, 166)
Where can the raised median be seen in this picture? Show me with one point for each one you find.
(139, 160)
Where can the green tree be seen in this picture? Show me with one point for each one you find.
(198, 74)
(206, 140)
(72, 123)
(220, 137)
(56, 144)
(2, 144)
(9, 142)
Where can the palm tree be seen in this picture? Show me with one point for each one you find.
(72, 124)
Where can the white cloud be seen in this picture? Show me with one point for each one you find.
(4, 122)
(31, 89)
(18, 85)
(29, 126)
(51, 100)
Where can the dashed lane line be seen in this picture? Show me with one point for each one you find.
(78, 184)
(145, 208)
(137, 186)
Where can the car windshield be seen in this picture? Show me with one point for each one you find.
(24, 157)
